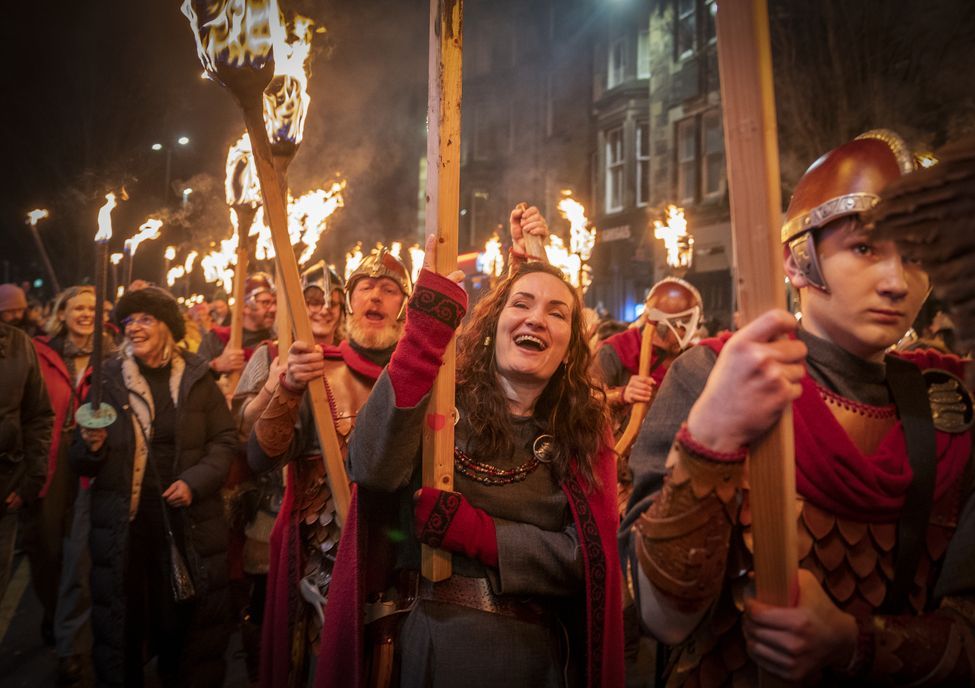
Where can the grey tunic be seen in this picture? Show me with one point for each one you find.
(538, 556)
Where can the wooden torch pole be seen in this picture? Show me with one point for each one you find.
(745, 63)
(282, 323)
(277, 218)
(640, 408)
(245, 215)
(443, 203)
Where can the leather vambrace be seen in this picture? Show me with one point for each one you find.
(276, 425)
(935, 649)
(682, 540)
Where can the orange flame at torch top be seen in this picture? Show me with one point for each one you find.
(116, 258)
(286, 98)
(307, 221)
(677, 241)
(148, 230)
(353, 259)
(188, 264)
(241, 184)
(232, 33)
(491, 261)
(105, 219)
(36, 215)
(170, 253)
(417, 255)
(582, 239)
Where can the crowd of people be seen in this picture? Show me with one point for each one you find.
(206, 508)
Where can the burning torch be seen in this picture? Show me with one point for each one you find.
(242, 60)
(95, 414)
(33, 217)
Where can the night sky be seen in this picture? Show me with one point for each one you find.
(92, 85)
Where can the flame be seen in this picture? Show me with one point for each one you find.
(581, 238)
(307, 221)
(491, 261)
(417, 255)
(568, 262)
(174, 274)
(188, 264)
(286, 98)
(148, 230)
(925, 159)
(396, 249)
(105, 219)
(170, 253)
(353, 259)
(679, 244)
(218, 264)
(232, 33)
(241, 184)
(36, 215)
(116, 258)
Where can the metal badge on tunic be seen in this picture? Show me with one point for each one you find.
(951, 402)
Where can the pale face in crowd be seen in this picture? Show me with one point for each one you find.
(532, 337)
(148, 336)
(78, 315)
(376, 303)
(260, 311)
(875, 292)
(324, 316)
(219, 310)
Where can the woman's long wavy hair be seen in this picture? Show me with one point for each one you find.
(54, 326)
(572, 408)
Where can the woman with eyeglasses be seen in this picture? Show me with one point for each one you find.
(156, 512)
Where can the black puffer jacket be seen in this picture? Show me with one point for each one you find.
(206, 443)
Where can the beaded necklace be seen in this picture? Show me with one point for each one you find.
(487, 474)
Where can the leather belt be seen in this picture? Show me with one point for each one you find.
(476, 593)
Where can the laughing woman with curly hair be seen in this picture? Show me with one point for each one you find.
(535, 594)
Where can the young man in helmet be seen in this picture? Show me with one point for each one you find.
(885, 587)
(259, 310)
(375, 297)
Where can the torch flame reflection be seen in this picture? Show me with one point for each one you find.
(353, 259)
(417, 255)
(286, 98)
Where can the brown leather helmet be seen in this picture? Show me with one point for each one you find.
(846, 181)
(675, 303)
(380, 263)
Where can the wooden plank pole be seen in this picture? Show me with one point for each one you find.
(282, 321)
(443, 204)
(236, 340)
(747, 96)
(640, 408)
(277, 218)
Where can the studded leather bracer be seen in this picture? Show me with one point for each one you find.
(276, 426)
(683, 538)
(935, 649)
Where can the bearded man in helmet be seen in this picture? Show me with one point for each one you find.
(886, 588)
(305, 536)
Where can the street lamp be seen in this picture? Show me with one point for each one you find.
(181, 141)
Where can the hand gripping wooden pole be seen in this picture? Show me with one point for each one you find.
(443, 204)
(640, 408)
(276, 214)
(745, 63)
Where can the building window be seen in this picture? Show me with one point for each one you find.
(685, 41)
(700, 158)
(643, 56)
(617, 63)
(642, 163)
(687, 162)
(713, 170)
(614, 170)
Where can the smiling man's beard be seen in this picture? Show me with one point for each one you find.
(373, 339)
